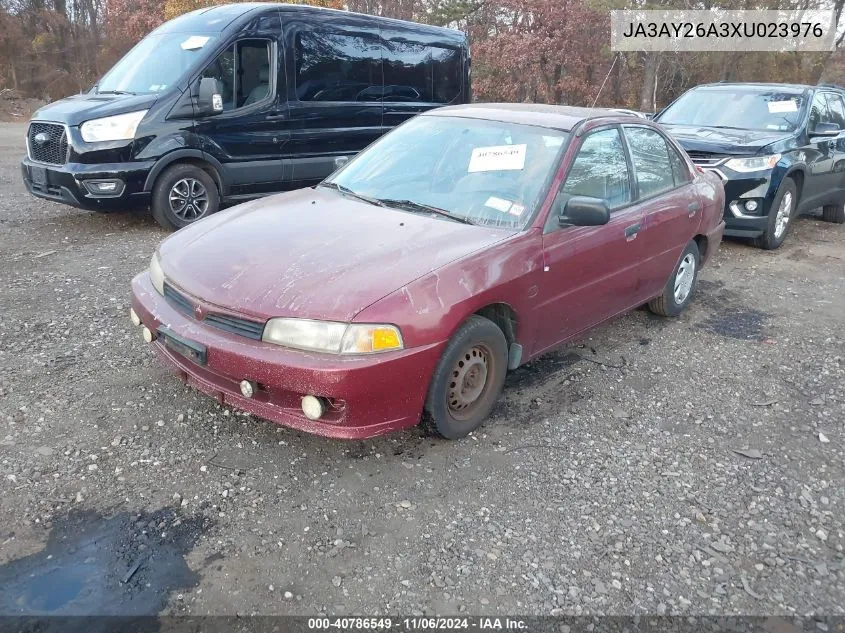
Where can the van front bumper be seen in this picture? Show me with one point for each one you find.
(369, 394)
(75, 184)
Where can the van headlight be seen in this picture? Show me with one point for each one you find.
(156, 273)
(753, 163)
(121, 127)
(332, 337)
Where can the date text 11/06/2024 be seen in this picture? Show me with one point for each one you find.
(416, 624)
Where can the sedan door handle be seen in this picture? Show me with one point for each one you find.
(631, 231)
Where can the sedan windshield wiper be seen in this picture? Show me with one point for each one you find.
(114, 92)
(347, 191)
(418, 207)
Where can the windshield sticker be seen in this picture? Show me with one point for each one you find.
(516, 210)
(497, 203)
(195, 42)
(552, 141)
(776, 107)
(497, 158)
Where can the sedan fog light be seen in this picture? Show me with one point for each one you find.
(247, 388)
(751, 205)
(149, 337)
(136, 320)
(313, 407)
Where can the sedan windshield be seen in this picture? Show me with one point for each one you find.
(155, 64)
(741, 109)
(469, 170)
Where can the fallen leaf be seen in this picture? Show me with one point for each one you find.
(767, 403)
(823, 438)
(750, 453)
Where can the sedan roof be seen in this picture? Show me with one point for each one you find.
(551, 116)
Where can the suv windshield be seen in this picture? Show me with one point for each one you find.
(740, 109)
(154, 64)
(484, 172)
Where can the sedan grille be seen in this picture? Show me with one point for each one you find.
(235, 325)
(47, 143)
(178, 300)
(225, 322)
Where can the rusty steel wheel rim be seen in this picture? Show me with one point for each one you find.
(469, 381)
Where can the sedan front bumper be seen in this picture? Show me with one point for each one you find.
(370, 394)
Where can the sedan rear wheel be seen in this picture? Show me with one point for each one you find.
(468, 378)
(680, 287)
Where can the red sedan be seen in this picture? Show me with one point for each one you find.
(464, 243)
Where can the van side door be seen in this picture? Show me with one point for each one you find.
(421, 72)
(248, 136)
(334, 89)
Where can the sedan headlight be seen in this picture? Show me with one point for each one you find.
(332, 337)
(156, 273)
(754, 163)
(112, 128)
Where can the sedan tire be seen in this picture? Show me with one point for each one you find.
(183, 194)
(468, 379)
(681, 286)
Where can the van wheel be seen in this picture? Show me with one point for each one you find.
(680, 288)
(780, 216)
(468, 378)
(834, 213)
(182, 195)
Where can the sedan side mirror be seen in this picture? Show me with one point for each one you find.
(584, 211)
(826, 129)
(210, 100)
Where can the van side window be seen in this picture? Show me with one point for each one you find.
(416, 72)
(243, 73)
(337, 67)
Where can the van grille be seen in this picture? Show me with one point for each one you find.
(53, 150)
(225, 322)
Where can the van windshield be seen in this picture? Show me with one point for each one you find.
(740, 109)
(155, 63)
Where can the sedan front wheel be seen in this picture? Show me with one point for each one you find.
(468, 378)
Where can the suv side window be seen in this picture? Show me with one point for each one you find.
(600, 170)
(243, 72)
(819, 112)
(650, 156)
(836, 108)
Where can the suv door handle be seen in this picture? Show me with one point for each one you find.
(631, 231)
(692, 207)
(275, 117)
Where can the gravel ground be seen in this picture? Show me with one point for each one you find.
(661, 466)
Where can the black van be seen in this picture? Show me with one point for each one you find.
(236, 101)
(778, 148)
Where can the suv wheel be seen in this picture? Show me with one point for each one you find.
(182, 195)
(834, 213)
(780, 216)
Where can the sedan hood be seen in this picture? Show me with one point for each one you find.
(312, 253)
(77, 109)
(695, 138)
